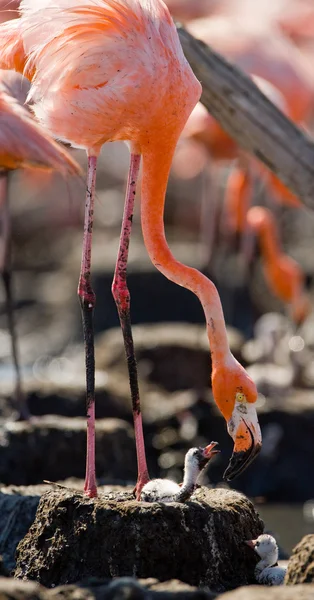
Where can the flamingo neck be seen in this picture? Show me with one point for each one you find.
(238, 196)
(264, 563)
(156, 166)
(191, 473)
(268, 238)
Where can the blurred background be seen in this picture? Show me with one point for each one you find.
(212, 190)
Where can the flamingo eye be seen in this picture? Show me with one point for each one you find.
(240, 397)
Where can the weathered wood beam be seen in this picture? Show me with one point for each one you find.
(251, 119)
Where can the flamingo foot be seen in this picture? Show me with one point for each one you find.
(141, 481)
(90, 490)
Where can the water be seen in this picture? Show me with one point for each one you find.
(288, 522)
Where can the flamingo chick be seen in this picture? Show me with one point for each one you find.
(165, 490)
(106, 70)
(23, 143)
(267, 571)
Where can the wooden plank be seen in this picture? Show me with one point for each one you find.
(251, 119)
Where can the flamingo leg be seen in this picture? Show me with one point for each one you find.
(6, 274)
(87, 301)
(121, 296)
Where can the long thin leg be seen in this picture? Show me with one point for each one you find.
(87, 301)
(121, 295)
(6, 274)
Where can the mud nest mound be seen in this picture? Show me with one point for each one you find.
(200, 542)
(117, 589)
(262, 592)
(54, 447)
(301, 564)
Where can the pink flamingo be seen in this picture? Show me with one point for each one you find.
(106, 70)
(184, 10)
(8, 9)
(283, 274)
(22, 144)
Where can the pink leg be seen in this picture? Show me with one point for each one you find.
(6, 273)
(87, 301)
(121, 295)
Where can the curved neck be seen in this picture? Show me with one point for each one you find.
(156, 166)
(238, 196)
(184, 494)
(191, 473)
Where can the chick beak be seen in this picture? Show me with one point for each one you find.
(209, 450)
(251, 543)
(245, 431)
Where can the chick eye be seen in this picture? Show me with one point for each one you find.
(257, 544)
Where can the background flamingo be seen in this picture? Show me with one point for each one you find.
(283, 274)
(22, 144)
(279, 69)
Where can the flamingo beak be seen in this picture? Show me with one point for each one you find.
(245, 431)
(251, 543)
(209, 450)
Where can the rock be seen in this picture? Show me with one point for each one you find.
(18, 505)
(17, 513)
(132, 589)
(10, 589)
(54, 448)
(199, 542)
(173, 355)
(119, 589)
(261, 592)
(174, 586)
(3, 571)
(70, 401)
(301, 563)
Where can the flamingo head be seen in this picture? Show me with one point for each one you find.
(235, 395)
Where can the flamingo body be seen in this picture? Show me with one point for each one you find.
(132, 56)
(12, 55)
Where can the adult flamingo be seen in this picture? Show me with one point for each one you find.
(219, 147)
(283, 274)
(277, 66)
(22, 144)
(105, 70)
